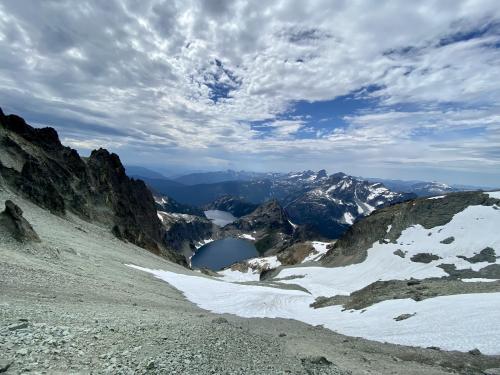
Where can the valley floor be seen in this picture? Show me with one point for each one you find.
(70, 305)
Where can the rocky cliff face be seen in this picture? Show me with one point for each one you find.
(183, 232)
(269, 225)
(35, 164)
(269, 216)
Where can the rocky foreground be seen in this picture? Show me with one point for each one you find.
(70, 305)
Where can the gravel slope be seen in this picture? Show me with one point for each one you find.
(69, 305)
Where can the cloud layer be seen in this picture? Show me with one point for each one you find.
(214, 84)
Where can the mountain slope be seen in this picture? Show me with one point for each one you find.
(336, 202)
(424, 272)
(424, 188)
(328, 204)
(83, 309)
(35, 164)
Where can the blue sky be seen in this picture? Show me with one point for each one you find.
(373, 88)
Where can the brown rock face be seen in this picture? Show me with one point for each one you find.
(35, 164)
(12, 219)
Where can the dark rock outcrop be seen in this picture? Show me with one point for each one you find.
(183, 232)
(12, 219)
(270, 216)
(486, 255)
(295, 254)
(34, 164)
(269, 224)
(424, 258)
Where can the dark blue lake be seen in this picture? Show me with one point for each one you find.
(222, 253)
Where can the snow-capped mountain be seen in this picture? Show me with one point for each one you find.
(327, 204)
(425, 188)
(333, 203)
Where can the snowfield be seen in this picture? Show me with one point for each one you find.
(459, 322)
(456, 322)
(474, 229)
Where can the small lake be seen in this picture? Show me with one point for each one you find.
(222, 253)
(220, 218)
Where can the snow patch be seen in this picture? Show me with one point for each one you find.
(203, 243)
(479, 280)
(438, 197)
(247, 236)
(320, 250)
(348, 218)
(494, 194)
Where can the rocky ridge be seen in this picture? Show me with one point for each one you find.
(428, 212)
(34, 164)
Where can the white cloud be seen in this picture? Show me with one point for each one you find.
(144, 76)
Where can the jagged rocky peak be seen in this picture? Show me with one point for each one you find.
(47, 136)
(13, 221)
(34, 164)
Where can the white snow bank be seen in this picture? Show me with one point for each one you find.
(256, 265)
(247, 237)
(438, 197)
(474, 229)
(479, 280)
(459, 322)
(321, 250)
(203, 242)
(494, 194)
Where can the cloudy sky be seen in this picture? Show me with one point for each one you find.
(392, 89)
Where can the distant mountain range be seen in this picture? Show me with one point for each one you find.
(326, 204)
(220, 176)
(424, 188)
(418, 187)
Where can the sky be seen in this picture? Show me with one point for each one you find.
(391, 89)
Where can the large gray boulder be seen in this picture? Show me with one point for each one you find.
(12, 219)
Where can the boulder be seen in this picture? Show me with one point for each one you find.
(12, 219)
